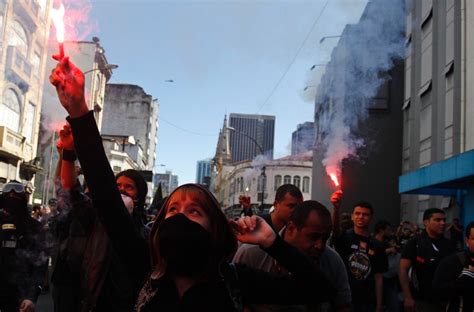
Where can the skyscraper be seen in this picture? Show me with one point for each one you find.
(251, 135)
(203, 169)
(302, 139)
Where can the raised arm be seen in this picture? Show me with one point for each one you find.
(336, 198)
(127, 241)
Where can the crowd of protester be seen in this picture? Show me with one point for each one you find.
(107, 255)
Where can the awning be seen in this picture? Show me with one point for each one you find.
(445, 178)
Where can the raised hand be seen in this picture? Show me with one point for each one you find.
(244, 201)
(69, 83)
(336, 198)
(65, 138)
(253, 230)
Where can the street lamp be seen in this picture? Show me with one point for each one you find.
(106, 67)
(247, 136)
(263, 177)
(316, 65)
(327, 37)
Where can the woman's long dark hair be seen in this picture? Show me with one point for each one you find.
(224, 239)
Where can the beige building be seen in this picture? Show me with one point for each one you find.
(24, 30)
(263, 179)
(439, 109)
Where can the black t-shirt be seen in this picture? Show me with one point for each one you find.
(425, 254)
(363, 257)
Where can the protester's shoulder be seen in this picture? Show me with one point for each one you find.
(246, 251)
(331, 258)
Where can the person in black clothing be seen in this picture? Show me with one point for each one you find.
(89, 274)
(364, 257)
(423, 253)
(191, 238)
(23, 260)
(286, 198)
(454, 277)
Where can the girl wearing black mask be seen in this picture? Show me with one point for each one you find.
(190, 241)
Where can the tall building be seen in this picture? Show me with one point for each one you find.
(438, 112)
(347, 89)
(130, 111)
(168, 181)
(251, 135)
(24, 30)
(302, 139)
(203, 169)
(89, 56)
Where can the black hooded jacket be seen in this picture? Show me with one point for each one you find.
(23, 260)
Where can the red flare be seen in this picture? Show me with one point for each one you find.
(334, 179)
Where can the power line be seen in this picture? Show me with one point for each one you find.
(294, 58)
(183, 129)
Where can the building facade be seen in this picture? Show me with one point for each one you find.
(251, 135)
(203, 170)
(129, 111)
(260, 182)
(371, 112)
(169, 182)
(438, 112)
(302, 139)
(24, 33)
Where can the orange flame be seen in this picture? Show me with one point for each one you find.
(57, 16)
(334, 179)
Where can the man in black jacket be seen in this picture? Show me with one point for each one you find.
(423, 253)
(23, 261)
(454, 277)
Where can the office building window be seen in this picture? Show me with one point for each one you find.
(297, 181)
(287, 179)
(18, 38)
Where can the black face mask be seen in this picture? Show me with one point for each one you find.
(185, 246)
(14, 206)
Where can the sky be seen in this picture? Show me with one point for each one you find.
(240, 56)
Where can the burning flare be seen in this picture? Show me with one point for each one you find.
(57, 16)
(334, 179)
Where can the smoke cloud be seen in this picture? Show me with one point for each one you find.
(365, 52)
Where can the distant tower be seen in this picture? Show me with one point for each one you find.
(223, 155)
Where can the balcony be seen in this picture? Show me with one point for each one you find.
(10, 143)
(18, 69)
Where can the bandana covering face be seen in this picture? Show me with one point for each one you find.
(185, 246)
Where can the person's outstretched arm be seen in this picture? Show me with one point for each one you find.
(127, 241)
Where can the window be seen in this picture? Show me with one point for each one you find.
(36, 62)
(241, 184)
(10, 110)
(18, 38)
(297, 181)
(277, 183)
(261, 183)
(305, 185)
(28, 128)
(287, 179)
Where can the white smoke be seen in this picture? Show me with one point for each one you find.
(365, 52)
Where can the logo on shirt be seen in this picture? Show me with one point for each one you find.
(359, 265)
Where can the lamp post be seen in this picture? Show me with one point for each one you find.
(106, 67)
(263, 178)
(262, 175)
(260, 148)
(327, 37)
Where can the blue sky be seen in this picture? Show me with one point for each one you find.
(225, 57)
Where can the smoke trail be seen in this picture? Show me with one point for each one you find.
(354, 75)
